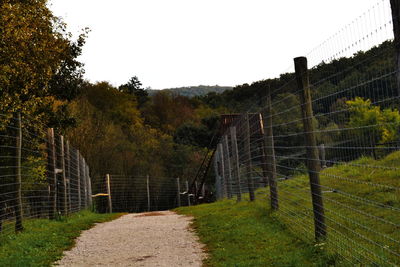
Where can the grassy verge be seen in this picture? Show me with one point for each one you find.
(246, 234)
(362, 214)
(43, 241)
(362, 205)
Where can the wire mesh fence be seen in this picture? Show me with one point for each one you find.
(126, 193)
(326, 144)
(41, 174)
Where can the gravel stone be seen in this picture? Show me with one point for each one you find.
(143, 239)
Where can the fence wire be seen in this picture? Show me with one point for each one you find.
(41, 174)
(126, 193)
(356, 131)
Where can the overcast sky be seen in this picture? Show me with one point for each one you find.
(173, 43)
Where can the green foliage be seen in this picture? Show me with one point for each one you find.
(134, 87)
(114, 137)
(352, 224)
(367, 119)
(193, 91)
(197, 135)
(37, 60)
(247, 234)
(43, 241)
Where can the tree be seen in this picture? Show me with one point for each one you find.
(37, 59)
(134, 87)
(371, 125)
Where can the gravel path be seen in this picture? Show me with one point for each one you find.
(143, 239)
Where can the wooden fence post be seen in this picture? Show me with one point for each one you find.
(228, 173)
(89, 186)
(109, 193)
(178, 192)
(270, 154)
(148, 193)
(187, 190)
(64, 178)
(18, 181)
(51, 173)
(262, 147)
(217, 177)
(247, 151)
(236, 168)
(84, 181)
(395, 7)
(68, 174)
(313, 165)
(78, 177)
(223, 173)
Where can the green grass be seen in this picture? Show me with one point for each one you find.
(245, 234)
(362, 219)
(43, 241)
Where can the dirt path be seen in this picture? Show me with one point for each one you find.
(144, 239)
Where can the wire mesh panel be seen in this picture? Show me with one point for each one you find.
(139, 193)
(334, 132)
(40, 173)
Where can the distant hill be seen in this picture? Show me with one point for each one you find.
(192, 91)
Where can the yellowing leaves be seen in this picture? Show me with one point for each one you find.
(383, 124)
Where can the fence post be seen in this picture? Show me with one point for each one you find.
(395, 7)
(84, 180)
(51, 173)
(236, 162)
(223, 173)
(78, 177)
(313, 163)
(148, 193)
(178, 192)
(187, 190)
(270, 153)
(18, 198)
(228, 174)
(262, 147)
(217, 179)
(64, 178)
(109, 193)
(68, 174)
(89, 186)
(247, 135)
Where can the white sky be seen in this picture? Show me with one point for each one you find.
(173, 43)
